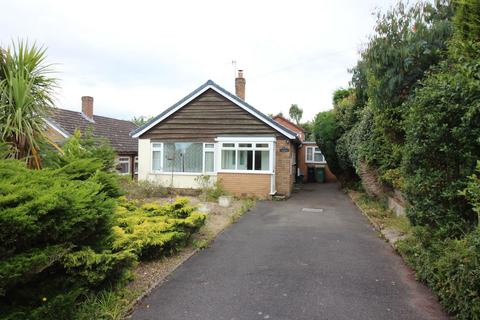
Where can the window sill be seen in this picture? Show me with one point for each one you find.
(311, 162)
(182, 173)
(245, 171)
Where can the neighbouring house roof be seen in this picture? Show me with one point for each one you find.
(115, 130)
(233, 98)
(290, 123)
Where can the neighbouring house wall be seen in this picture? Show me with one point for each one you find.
(246, 184)
(284, 169)
(208, 116)
(303, 166)
(286, 123)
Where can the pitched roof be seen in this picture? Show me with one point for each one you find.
(288, 121)
(233, 98)
(115, 130)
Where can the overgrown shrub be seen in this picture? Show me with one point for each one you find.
(443, 145)
(451, 268)
(55, 232)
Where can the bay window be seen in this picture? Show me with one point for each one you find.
(314, 155)
(245, 156)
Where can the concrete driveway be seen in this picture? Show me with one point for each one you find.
(281, 262)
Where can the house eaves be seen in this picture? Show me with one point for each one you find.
(197, 92)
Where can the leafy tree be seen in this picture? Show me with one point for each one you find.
(340, 94)
(295, 113)
(326, 134)
(442, 141)
(140, 121)
(308, 127)
(26, 96)
(407, 42)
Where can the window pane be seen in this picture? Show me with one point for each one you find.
(192, 159)
(209, 146)
(135, 165)
(156, 146)
(245, 160)
(309, 154)
(183, 157)
(228, 159)
(244, 145)
(262, 160)
(209, 162)
(318, 157)
(262, 145)
(317, 149)
(156, 160)
(228, 145)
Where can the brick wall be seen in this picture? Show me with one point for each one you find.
(303, 166)
(246, 184)
(284, 169)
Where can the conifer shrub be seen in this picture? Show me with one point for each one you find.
(55, 238)
(152, 229)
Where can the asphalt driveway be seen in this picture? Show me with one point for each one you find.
(280, 261)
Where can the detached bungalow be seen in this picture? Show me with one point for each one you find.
(214, 132)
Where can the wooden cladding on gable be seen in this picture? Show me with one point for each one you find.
(207, 117)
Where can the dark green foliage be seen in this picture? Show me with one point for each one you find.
(451, 268)
(408, 40)
(472, 191)
(443, 145)
(326, 135)
(87, 157)
(55, 232)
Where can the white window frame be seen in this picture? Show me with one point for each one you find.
(135, 165)
(314, 151)
(153, 148)
(253, 141)
(121, 159)
(162, 164)
(208, 149)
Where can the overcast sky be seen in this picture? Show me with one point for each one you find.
(139, 57)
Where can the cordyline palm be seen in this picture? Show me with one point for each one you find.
(26, 97)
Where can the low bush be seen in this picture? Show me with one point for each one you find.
(451, 268)
(143, 189)
(153, 230)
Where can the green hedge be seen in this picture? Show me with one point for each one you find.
(451, 268)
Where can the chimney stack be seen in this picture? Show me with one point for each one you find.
(87, 107)
(240, 85)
